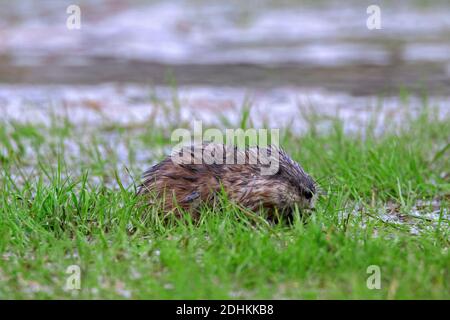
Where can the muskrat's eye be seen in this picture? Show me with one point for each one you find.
(307, 194)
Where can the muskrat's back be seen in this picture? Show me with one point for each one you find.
(188, 184)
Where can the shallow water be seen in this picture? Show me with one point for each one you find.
(132, 104)
(210, 43)
(284, 57)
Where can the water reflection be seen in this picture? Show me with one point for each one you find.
(284, 43)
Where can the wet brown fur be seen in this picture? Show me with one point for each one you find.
(190, 185)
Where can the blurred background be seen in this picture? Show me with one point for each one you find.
(277, 54)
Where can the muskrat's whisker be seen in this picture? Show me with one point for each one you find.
(324, 178)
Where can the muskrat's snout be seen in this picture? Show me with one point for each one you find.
(307, 197)
(309, 192)
(295, 186)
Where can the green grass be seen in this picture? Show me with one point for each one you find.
(60, 207)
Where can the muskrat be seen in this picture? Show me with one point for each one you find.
(189, 184)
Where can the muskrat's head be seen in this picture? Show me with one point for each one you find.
(294, 186)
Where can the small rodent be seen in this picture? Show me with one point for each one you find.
(190, 184)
